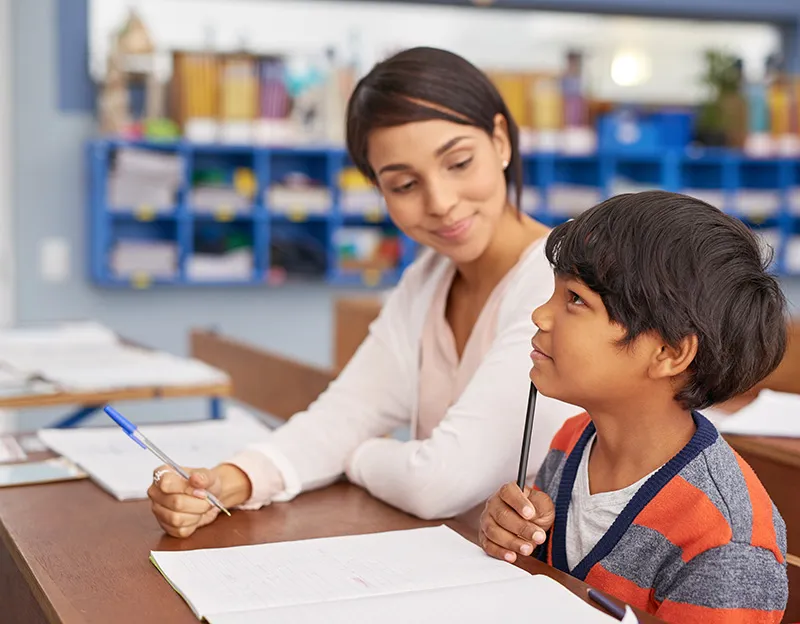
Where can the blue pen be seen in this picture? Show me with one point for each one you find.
(136, 435)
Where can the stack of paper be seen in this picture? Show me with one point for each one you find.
(423, 576)
(144, 177)
(153, 258)
(771, 414)
(125, 470)
(88, 357)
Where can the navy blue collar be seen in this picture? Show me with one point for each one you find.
(704, 437)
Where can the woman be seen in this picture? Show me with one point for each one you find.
(448, 355)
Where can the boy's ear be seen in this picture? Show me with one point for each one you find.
(672, 361)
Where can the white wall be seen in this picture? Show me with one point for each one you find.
(491, 38)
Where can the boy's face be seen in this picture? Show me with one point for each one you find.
(576, 353)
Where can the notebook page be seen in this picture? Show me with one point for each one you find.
(250, 578)
(540, 598)
(125, 470)
(771, 414)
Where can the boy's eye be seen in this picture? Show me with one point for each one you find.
(574, 298)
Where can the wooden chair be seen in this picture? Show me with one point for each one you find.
(271, 383)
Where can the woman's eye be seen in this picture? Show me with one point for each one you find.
(403, 188)
(462, 164)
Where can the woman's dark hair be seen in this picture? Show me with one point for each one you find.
(421, 84)
(674, 265)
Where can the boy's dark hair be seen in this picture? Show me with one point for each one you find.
(674, 265)
(420, 84)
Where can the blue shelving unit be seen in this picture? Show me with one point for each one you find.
(760, 192)
(269, 234)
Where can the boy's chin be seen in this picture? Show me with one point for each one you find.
(546, 387)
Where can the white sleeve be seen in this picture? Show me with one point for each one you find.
(476, 447)
(371, 397)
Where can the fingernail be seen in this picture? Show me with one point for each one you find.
(526, 549)
(538, 537)
(199, 493)
(528, 512)
(510, 557)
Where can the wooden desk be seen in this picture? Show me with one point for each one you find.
(102, 397)
(70, 554)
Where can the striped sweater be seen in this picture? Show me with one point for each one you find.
(701, 541)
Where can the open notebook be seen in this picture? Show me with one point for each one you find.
(420, 575)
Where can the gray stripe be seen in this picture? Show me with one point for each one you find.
(716, 473)
(734, 576)
(549, 475)
(780, 529)
(645, 557)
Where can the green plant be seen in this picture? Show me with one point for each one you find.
(722, 74)
(722, 77)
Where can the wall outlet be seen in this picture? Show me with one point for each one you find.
(54, 259)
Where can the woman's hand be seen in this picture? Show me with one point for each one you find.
(515, 522)
(181, 506)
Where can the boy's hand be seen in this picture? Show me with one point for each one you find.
(515, 522)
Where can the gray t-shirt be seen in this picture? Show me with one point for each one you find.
(591, 515)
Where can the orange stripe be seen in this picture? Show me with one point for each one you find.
(763, 527)
(686, 517)
(694, 614)
(620, 587)
(567, 437)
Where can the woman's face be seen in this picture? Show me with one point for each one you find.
(443, 182)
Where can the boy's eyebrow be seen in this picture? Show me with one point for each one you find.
(577, 284)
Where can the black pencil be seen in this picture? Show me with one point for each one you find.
(526, 438)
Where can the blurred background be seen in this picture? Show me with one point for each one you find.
(171, 164)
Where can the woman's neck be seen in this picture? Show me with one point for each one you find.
(513, 235)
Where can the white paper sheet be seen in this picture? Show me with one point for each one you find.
(125, 470)
(353, 578)
(10, 450)
(771, 414)
(538, 599)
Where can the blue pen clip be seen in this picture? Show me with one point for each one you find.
(127, 426)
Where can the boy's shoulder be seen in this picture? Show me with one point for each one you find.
(716, 499)
(570, 433)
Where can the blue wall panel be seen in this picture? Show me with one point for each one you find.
(76, 91)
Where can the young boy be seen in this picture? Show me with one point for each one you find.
(662, 307)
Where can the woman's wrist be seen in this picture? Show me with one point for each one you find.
(234, 484)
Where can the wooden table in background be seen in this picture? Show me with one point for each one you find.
(71, 554)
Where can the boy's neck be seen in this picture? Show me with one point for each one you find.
(631, 443)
